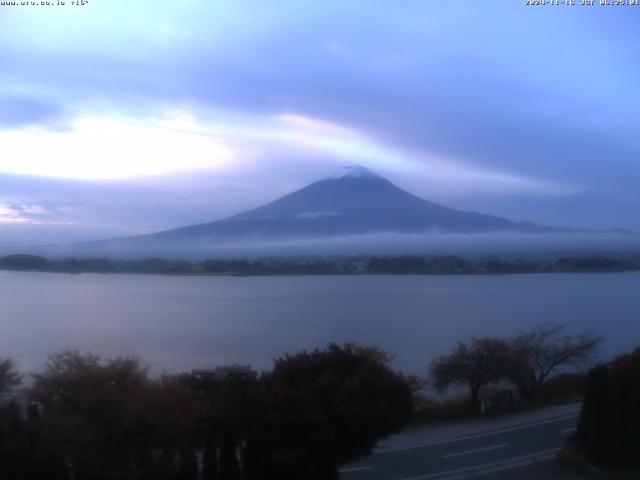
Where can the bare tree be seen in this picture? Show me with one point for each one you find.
(481, 362)
(9, 376)
(537, 352)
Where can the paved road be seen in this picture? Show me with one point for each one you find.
(522, 450)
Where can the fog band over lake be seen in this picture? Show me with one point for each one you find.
(178, 323)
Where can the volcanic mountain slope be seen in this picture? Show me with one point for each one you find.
(355, 201)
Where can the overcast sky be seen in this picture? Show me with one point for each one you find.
(131, 116)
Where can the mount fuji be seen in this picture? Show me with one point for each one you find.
(352, 202)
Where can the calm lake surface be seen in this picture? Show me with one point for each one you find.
(178, 323)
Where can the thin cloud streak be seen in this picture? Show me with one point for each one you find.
(117, 147)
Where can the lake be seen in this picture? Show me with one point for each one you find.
(178, 322)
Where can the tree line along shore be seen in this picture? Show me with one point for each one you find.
(307, 265)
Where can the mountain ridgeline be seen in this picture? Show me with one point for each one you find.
(354, 202)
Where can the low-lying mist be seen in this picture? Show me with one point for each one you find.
(467, 245)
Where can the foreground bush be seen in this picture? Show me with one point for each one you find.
(95, 419)
(105, 417)
(326, 408)
(609, 428)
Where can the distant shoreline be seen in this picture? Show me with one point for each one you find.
(349, 266)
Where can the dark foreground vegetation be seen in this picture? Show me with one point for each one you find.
(86, 418)
(608, 433)
(358, 265)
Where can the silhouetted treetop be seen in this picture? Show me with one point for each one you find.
(479, 363)
(9, 376)
(327, 407)
(537, 352)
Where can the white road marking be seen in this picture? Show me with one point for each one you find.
(502, 468)
(519, 427)
(354, 469)
(508, 463)
(511, 466)
(567, 430)
(473, 436)
(477, 450)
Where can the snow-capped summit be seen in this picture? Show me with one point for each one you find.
(353, 171)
